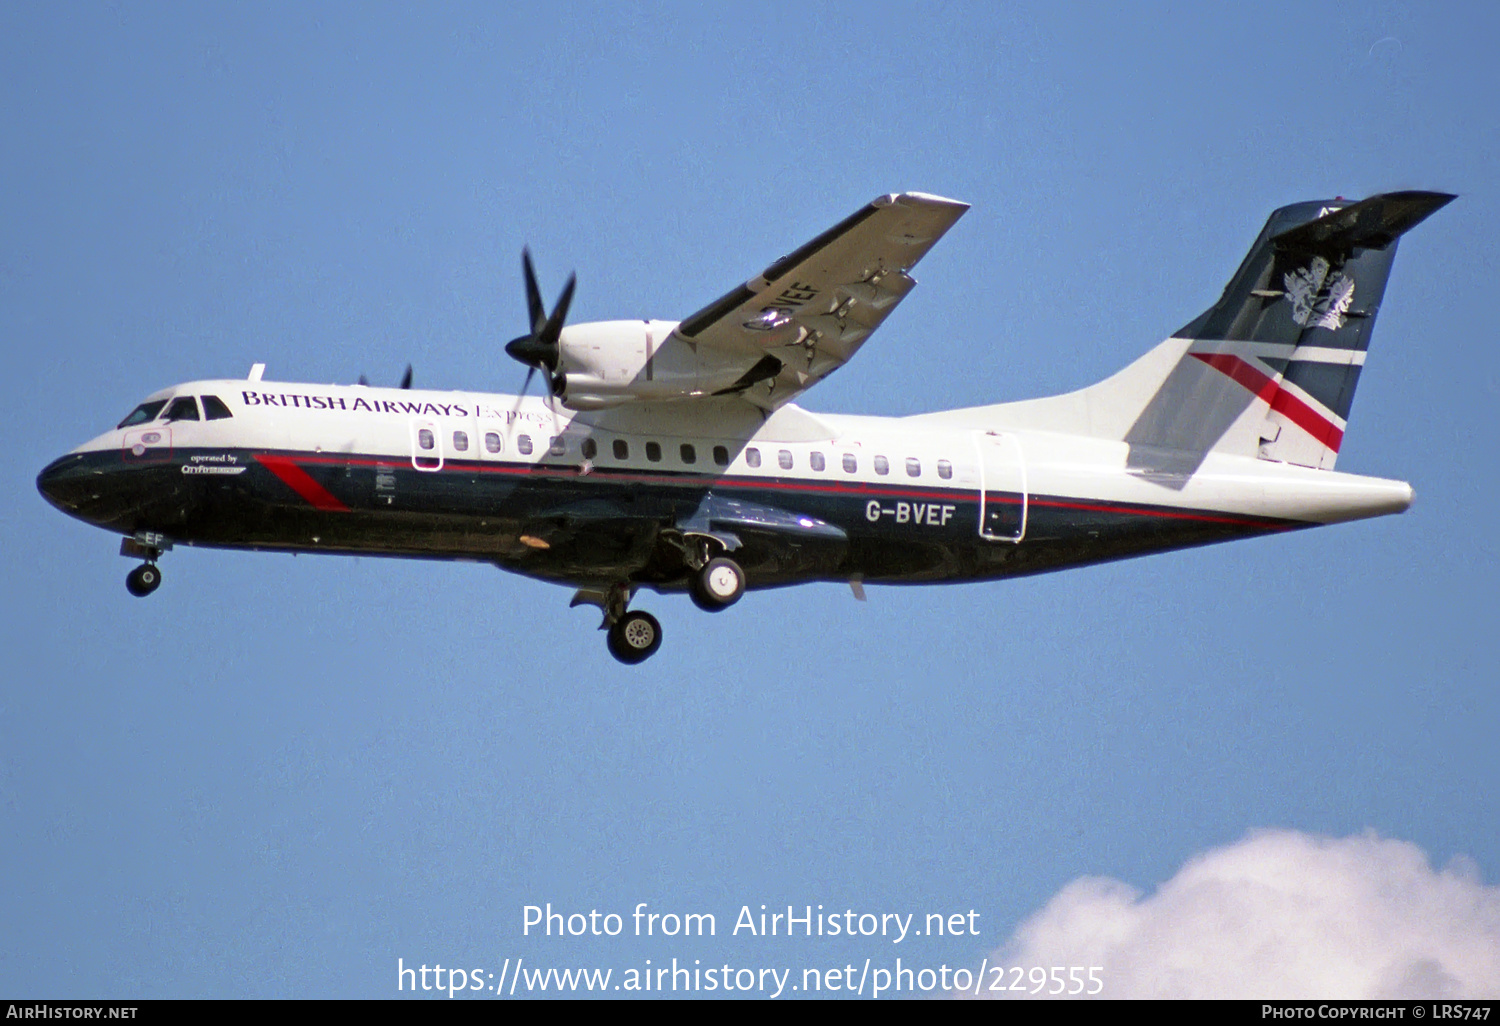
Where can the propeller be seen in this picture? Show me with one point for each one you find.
(539, 350)
(405, 378)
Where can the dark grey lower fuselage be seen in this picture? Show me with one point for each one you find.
(596, 525)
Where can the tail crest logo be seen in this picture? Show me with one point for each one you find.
(1317, 300)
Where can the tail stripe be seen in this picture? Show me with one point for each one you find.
(1324, 430)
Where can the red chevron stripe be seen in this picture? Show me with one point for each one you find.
(1280, 400)
(299, 481)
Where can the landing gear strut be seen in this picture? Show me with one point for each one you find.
(143, 580)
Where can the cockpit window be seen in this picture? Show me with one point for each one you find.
(143, 413)
(214, 408)
(184, 407)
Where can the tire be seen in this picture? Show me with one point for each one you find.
(143, 580)
(718, 585)
(634, 638)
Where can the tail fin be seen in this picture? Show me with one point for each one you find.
(1286, 341)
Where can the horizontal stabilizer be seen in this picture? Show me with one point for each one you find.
(1373, 223)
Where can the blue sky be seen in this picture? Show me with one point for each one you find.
(279, 775)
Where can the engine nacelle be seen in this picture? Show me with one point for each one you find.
(607, 363)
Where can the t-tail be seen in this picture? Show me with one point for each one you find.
(1268, 371)
(1287, 340)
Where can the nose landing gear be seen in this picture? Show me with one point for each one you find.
(147, 545)
(143, 580)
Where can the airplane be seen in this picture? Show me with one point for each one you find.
(670, 456)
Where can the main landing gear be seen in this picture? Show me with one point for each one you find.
(718, 585)
(633, 636)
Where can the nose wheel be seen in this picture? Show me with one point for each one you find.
(143, 580)
(634, 637)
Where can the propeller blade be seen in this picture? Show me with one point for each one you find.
(406, 378)
(541, 350)
(552, 330)
(522, 395)
(534, 305)
(552, 408)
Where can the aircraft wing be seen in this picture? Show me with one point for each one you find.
(809, 312)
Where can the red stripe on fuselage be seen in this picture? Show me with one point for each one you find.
(1280, 400)
(688, 479)
(1164, 514)
(299, 481)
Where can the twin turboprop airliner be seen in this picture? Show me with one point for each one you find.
(670, 456)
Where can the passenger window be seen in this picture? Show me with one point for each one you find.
(945, 469)
(689, 454)
(425, 439)
(882, 465)
(816, 459)
(142, 413)
(622, 449)
(721, 456)
(182, 408)
(653, 452)
(492, 442)
(590, 448)
(784, 459)
(752, 457)
(851, 465)
(559, 445)
(461, 441)
(913, 467)
(523, 443)
(214, 408)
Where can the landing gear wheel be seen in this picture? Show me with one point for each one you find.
(635, 637)
(143, 580)
(718, 585)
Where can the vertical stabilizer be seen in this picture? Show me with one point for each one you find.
(1287, 340)
(1268, 371)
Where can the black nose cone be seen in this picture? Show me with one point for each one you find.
(56, 482)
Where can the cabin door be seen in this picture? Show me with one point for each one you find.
(1003, 500)
(426, 445)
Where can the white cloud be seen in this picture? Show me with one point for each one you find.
(1280, 914)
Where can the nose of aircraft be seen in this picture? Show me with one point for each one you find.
(94, 486)
(53, 482)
